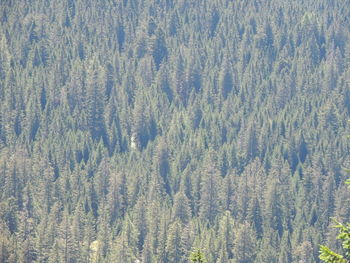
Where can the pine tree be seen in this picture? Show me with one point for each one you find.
(244, 244)
(140, 223)
(162, 166)
(158, 48)
(95, 100)
(225, 79)
(173, 245)
(209, 202)
(182, 210)
(226, 235)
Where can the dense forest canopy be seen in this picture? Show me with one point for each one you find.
(142, 130)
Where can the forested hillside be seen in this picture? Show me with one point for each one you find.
(140, 130)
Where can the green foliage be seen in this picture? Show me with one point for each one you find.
(329, 256)
(197, 256)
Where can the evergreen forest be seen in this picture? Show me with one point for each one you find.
(147, 131)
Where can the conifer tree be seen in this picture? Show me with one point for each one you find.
(209, 205)
(244, 244)
(173, 245)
